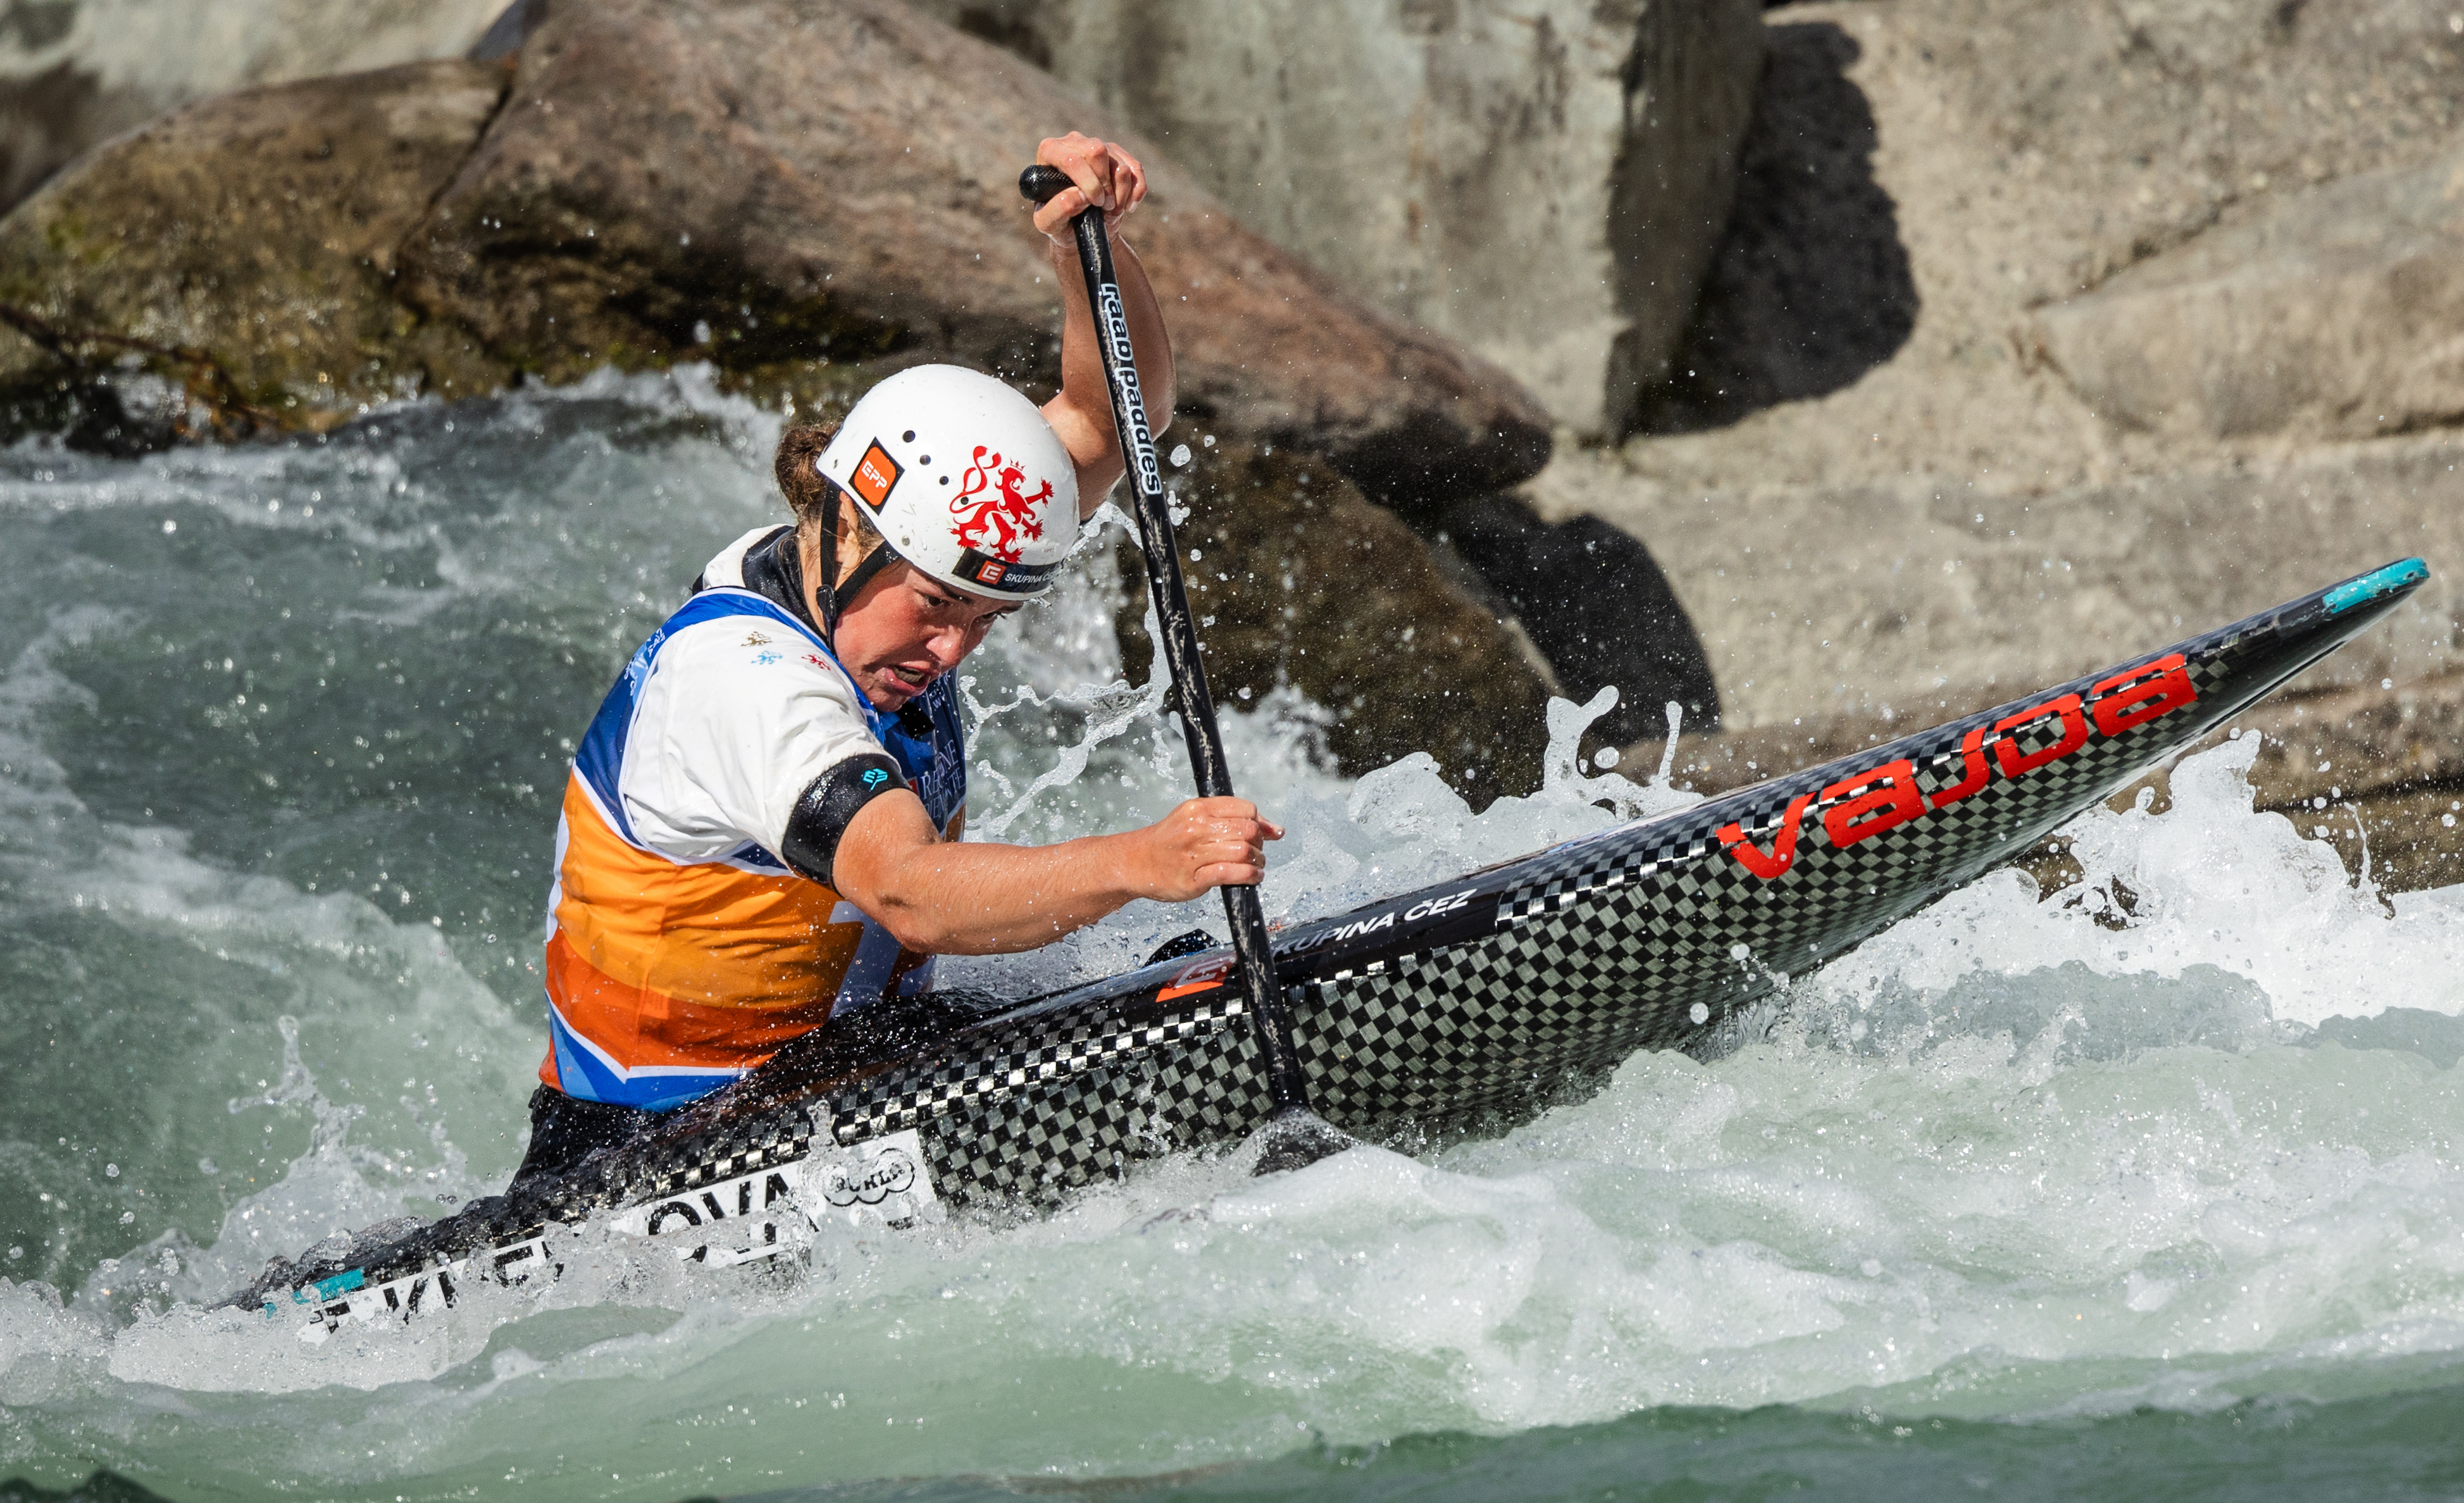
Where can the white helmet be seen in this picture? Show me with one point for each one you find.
(962, 477)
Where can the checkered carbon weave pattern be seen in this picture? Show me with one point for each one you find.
(761, 1142)
(1609, 946)
(1059, 1135)
(1018, 1058)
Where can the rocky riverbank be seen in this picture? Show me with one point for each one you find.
(1956, 345)
(1544, 180)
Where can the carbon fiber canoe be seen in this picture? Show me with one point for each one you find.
(1460, 1005)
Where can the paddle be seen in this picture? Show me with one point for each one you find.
(1295, 1135)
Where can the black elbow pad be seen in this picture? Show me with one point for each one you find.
(820, 817)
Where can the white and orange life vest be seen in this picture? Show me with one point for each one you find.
(682, 949)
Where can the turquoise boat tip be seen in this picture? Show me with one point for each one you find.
(2403, 575)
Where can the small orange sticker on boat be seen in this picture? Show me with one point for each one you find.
(1204, 976)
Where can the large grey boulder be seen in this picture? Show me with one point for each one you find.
(2333, 312)
(1544, 180)
(2022, 153)
(1955, 523)
(751, 180)
(75, 72)
(805, 192)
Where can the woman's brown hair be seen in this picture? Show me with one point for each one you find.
(799, 482)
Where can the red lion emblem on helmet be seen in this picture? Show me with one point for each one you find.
(1002, 520)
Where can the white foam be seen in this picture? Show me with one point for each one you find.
(2208, 883)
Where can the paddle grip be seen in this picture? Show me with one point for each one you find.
(1039, 185)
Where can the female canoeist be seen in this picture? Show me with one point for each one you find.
(762, 823)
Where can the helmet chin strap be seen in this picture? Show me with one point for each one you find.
(835, 594)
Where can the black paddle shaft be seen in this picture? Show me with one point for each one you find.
(1268, 1014)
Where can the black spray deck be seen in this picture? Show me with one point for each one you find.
(1431, 1012)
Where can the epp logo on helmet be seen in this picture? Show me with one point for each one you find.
(875, 476)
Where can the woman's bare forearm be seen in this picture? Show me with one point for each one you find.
(1082, 360)
(995, 900)
(943, 898)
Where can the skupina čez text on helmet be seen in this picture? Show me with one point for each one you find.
(961, 477)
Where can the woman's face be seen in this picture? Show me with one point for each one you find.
(904, 629)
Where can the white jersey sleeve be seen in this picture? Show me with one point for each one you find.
(735, 718)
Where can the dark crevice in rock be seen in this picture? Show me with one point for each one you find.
(478, 139)
(524, 14)
(1417, 464)
(1598, 607)
(89, 406)
(1811, 287)
(506, 33)
(1672, 189)
(1012, 34)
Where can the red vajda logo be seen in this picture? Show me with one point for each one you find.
(1883, 798)
(1002, 520)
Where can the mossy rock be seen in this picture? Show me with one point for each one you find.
(244, 250)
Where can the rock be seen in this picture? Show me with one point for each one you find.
(659, 184)
(2333, 312)
(2022, 153)
(75, 72)
(242, 251)
(1811, 286)
(1907, 604)
(1542, 181)
(1939, 520)
(1297, 581)
(1596, 607)
(671, 183)
(748, 181)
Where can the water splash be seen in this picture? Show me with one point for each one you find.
(2210, 883)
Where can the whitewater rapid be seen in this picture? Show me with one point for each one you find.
(282, 730)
